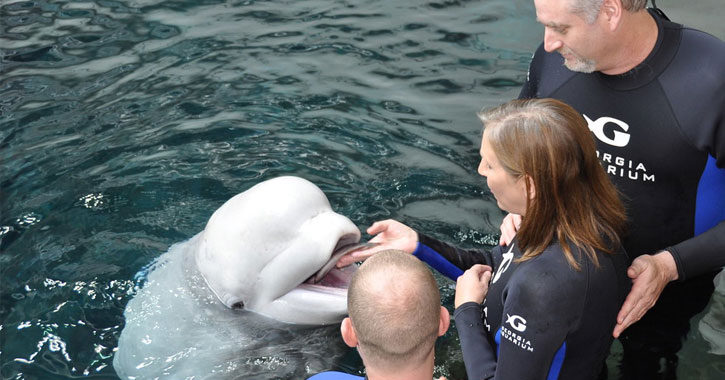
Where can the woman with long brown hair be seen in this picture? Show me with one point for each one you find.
(545, 305)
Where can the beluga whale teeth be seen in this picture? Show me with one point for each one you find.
(337, 254)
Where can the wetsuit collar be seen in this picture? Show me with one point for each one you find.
(655, 63)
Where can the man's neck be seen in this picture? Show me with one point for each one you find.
(633, 42)
(409, 375)
(423, 371)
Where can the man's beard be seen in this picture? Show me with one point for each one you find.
(577, 63)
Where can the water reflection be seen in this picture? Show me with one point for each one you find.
(124, 124)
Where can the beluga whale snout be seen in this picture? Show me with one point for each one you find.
(257, 286)
(259, 249)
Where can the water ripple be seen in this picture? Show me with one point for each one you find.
(124, 124)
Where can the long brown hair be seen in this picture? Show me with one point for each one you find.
(549, 144)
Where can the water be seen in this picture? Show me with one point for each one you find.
(125, 124)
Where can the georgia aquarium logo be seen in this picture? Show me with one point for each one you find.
(517, 323)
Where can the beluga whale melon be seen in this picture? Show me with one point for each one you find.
(249, 296)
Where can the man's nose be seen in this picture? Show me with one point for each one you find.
(551, 41)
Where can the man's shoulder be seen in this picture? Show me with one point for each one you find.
(694, 80)
(697, 45)
(334, 375)
(702, 37)
(694, 48)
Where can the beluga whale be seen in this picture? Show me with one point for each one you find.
(256, 294)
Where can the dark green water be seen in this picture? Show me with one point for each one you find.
(125, 124)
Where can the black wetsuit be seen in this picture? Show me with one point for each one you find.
(660, 132)
(541, 319)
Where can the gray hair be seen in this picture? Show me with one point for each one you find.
(589, 9)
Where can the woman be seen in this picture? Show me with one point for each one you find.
(544, 306)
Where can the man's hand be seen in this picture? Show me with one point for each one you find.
(650, 274)
(509, 227)
(389, 234)
(472, 285)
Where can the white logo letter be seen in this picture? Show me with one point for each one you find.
(597, 127)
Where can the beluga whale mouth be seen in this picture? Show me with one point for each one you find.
(331, 276)
(272, 250)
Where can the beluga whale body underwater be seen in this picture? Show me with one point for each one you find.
(247, 296)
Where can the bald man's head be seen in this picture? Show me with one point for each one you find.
(394, 306)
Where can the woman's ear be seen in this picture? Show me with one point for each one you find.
(530, 187)
(348, 333)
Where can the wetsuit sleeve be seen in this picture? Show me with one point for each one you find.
(536, 319)
(695, 87)
(697, 98)
(478, 355)
(438, 262)
(701, 254)
(462, 258)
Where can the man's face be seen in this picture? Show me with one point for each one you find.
(569, 34)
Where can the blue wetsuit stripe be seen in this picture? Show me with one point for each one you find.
(556, 365)
(710, 204)
(438, 262)
(334, 375)
(497, 339)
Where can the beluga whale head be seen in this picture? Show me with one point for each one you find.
(272, 250)
(254, 294)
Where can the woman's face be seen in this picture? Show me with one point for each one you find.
(510, 191)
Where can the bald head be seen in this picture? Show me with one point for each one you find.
(394, 306)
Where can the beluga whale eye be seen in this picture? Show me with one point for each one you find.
(238, 306)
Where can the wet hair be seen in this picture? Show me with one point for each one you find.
(589, 9)
(549, 144)
(394, 305)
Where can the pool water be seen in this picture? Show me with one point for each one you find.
(125, 124)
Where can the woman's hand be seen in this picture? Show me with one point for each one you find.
(389, 234)
(509, 227)
(472, 285)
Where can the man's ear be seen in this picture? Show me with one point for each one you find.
(348, 333)
(445, 321)
(612, 12)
